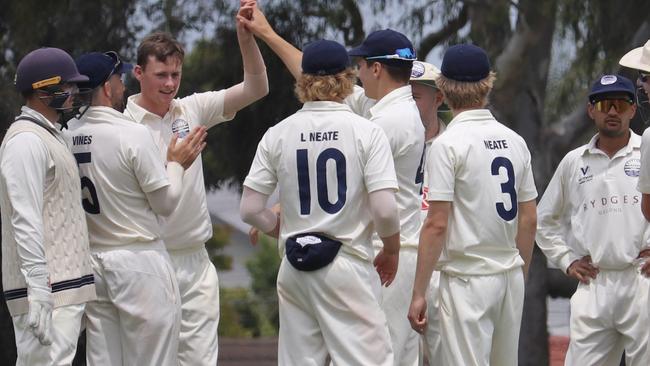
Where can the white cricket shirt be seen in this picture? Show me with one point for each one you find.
(118, 163)
(189, 226)
(592, 207)
(483, 168)
(325, 160)
(644, 176)
(397, 114)
(424, 208)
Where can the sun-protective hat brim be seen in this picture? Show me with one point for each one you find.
(424, 73)
(638, 58)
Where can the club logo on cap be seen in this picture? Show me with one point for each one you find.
(417, 70)
(608, 79)
(181, 127)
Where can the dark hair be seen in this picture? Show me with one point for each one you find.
(161, 45)
(399, 74)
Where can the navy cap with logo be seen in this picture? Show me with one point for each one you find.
(45, 67)
(465, 62)
(607, 85)
(100, 67)
(324, 57)
(386, 46)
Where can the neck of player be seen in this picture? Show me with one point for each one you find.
(610, 145)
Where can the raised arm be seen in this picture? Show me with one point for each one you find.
(255, 84)
(258, 25)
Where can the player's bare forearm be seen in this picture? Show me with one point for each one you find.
(432, 238)
(526, 228)
(260, 27)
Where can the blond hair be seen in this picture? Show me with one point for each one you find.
(464, 95)
(335, 87)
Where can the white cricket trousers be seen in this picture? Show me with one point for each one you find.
(480, 318)
(395, 301)
(135, 320)
(333, 310)
(199, 288)
(430, 340)
(608, 315)
(66, 326)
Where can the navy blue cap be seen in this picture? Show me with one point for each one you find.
(386, 46)
(611, 84)
(99, 67)
(324, 57)
(465, 62)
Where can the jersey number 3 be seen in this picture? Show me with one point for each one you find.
(508, 187)
(90, 205)
(304, 186)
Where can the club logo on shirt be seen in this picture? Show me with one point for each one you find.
(181, 127)
(585, 178)
(632, 167)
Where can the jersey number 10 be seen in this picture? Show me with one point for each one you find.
(304, 184)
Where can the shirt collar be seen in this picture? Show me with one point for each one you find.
(139, 114)
(36, 114)
(472, 115)
(402, 93)
(633, 143)
(324, 106)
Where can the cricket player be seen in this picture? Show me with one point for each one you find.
(136, 317)
(480, 227)
(428, 99)
(185, 231)
(384, 61)
(46, 272)
(591, 226)
(336, 178)
(639, 59)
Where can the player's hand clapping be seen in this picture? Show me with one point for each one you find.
(582, 269)
(186, 151)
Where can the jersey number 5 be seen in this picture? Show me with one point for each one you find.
(507, 187)
(90, 205)
(304, 186)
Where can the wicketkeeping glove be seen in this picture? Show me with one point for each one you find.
(39, 296)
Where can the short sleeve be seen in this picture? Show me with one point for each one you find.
(527, 189)
(441, 170)
(379, 170)
(208, 107)
(262, 176)
(145, 160)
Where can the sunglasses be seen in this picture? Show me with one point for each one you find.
(118, 63)
(620, 105)
(643, 76)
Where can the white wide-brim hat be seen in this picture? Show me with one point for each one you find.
(425, 73)
(638, 58)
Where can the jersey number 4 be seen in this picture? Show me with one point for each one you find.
(304, 186)
(508, 187)
(90, 205)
